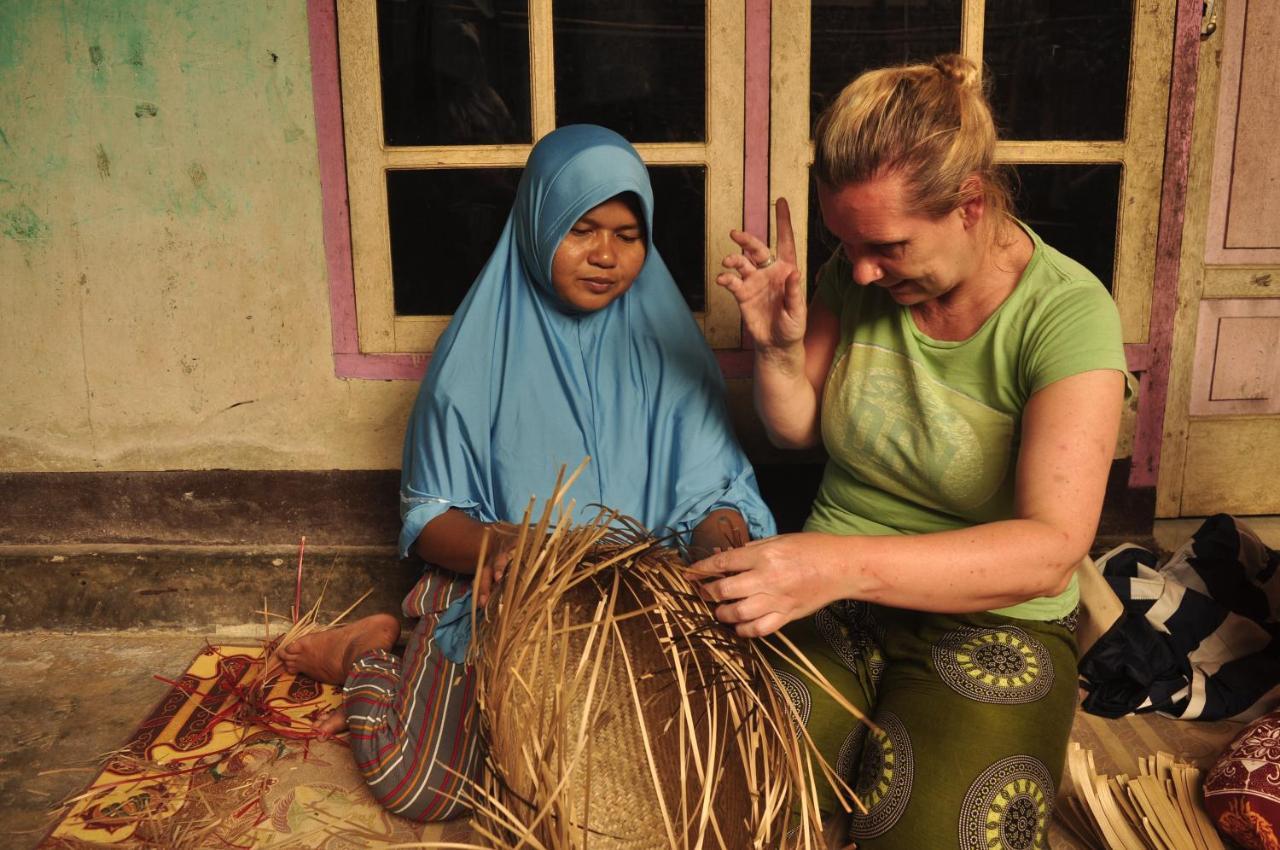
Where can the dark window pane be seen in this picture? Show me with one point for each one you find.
(1073, 208)
(848, 40)
(444, 225)
(1061, 69)
(454, 73)
(821, 243)
(638, 68)
(679, 225)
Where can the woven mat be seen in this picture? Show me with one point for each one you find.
(257, 788)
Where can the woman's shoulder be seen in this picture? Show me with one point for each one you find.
(1050, 269)
(1054, 281)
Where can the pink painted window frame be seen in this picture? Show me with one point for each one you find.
(348, 360)
(1154, 358)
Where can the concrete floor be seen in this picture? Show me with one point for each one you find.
(67, 699)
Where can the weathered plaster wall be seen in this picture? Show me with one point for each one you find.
(163, 294)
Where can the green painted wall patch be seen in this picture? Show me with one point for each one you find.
(23, 225)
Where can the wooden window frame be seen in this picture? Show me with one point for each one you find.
(1137, 216)
(378, 331)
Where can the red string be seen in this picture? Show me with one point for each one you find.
(297, 589)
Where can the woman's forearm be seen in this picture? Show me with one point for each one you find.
(452, 540)
(994, 565)
(723, 528)
(785, 399)
(768, 583)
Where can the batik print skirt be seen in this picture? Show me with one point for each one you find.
(972, 711)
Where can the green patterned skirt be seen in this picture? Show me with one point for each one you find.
(974, 712)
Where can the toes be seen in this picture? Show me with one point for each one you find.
(331, 724)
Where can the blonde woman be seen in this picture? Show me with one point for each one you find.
(967, 382)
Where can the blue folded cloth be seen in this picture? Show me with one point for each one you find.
(453, 629)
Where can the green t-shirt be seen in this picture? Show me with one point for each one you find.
(923, 434)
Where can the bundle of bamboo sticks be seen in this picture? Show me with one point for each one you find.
(1160, 809)
(614, 711)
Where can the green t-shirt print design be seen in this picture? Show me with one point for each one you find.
(903, 431)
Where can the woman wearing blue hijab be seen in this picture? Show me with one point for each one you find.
(573, 342)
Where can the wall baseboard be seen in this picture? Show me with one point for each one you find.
(265, 509)
(220, 507)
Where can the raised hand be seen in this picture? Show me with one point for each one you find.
(770, 294)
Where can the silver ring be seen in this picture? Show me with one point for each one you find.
(772, 259)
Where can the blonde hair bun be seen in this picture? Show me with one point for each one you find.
(960, 70)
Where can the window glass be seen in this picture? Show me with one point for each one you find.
(680, 225)
(1061, 70)
(638, 67)
(444, 224)
(849, 39)
(454, 73)
(1074, 209)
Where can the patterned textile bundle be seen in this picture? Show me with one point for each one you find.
(1242, 791)
(1199, 637)
(615, 712)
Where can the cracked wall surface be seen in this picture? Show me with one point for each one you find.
(163, 291)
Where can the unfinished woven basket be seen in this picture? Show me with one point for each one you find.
(614, 711)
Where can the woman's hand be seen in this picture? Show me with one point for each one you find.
(490, 574)
(772, 299)
(768, 583)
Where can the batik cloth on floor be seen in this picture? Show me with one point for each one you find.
(195, 772)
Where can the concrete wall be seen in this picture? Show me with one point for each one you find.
(163, 293)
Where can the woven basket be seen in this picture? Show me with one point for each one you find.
(614, 711)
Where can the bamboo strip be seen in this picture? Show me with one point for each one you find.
(1160, 809)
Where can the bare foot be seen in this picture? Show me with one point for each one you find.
(327, 656)
(333, 723)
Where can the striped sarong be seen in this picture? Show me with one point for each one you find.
(409, 719)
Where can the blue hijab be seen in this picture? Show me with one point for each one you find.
(521, 384)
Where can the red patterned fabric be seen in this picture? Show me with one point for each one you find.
(1242, 791)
